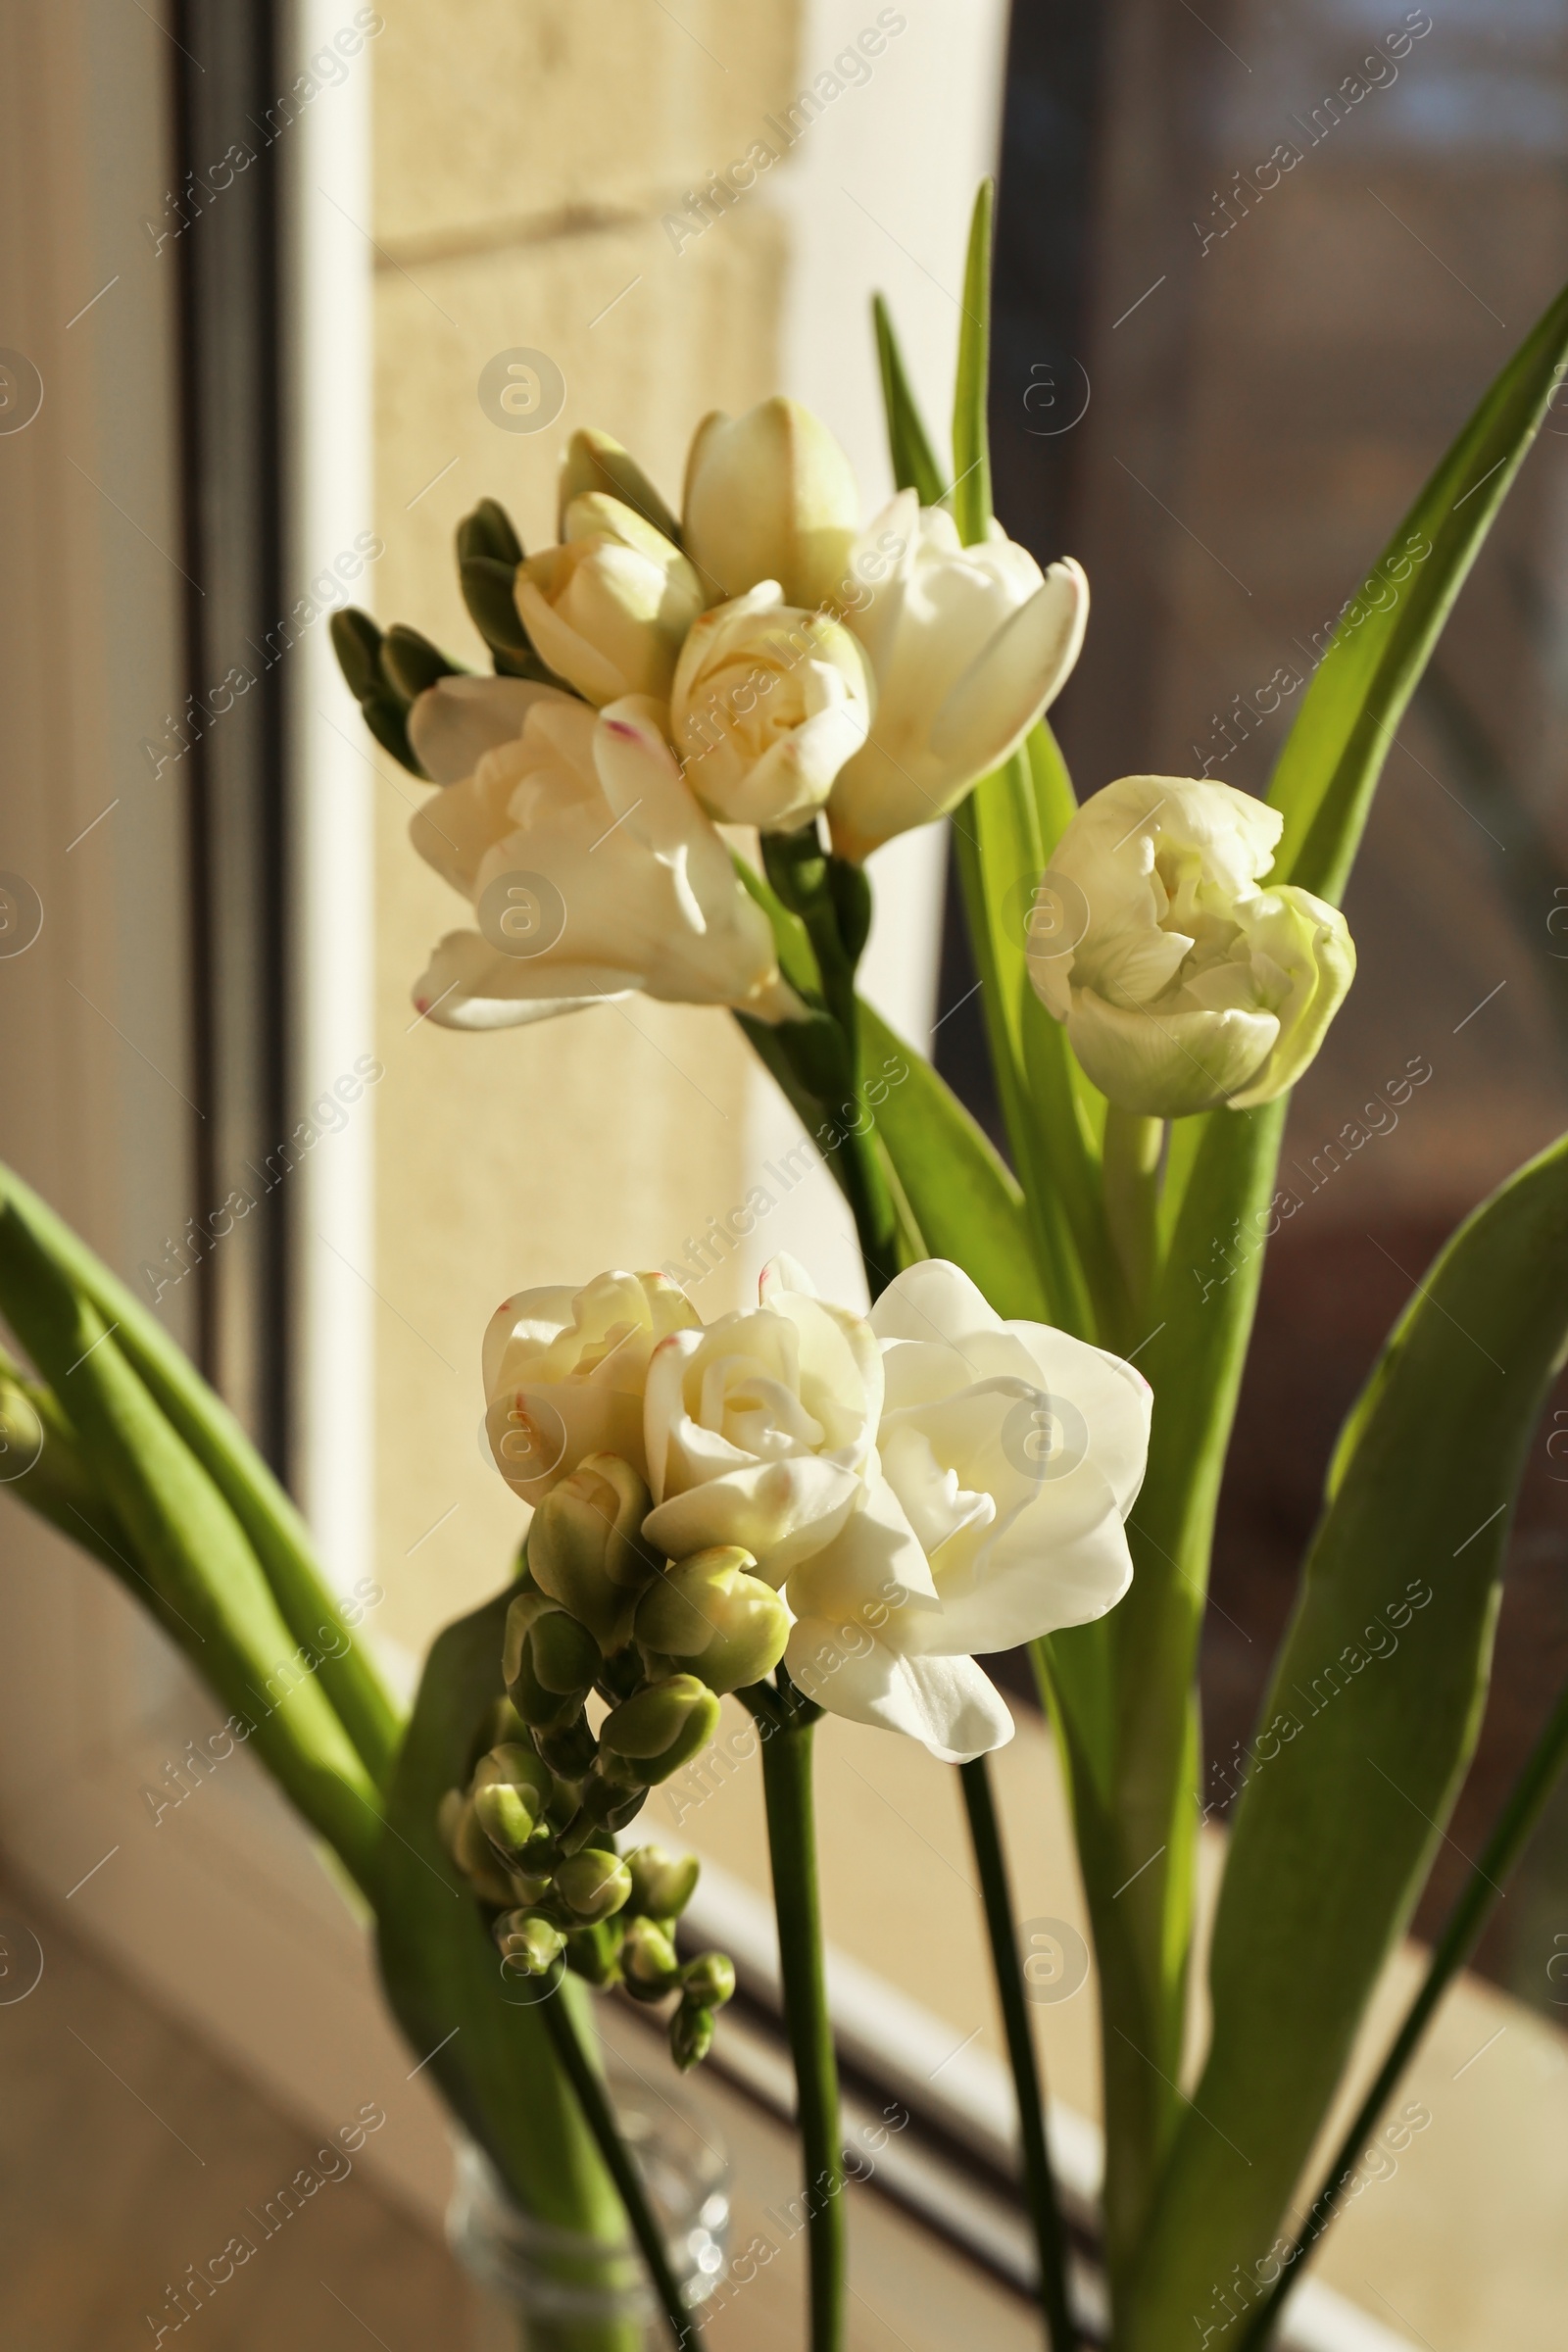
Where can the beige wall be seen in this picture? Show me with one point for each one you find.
(524, 154)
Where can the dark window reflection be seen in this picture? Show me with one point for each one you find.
(1280, 252)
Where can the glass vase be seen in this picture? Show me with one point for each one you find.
(543, 2289)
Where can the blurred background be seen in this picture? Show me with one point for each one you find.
(1256, 267)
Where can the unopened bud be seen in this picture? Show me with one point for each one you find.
(548, 1659)
(594, 1953)
(584, 1548)
(595, 462)
(709, 1980)
(593, 1884)
(510, 1787)
(709, 1617)
(529, 1944)
(569, 1749)
(470, 1849)
(648, 1961)
(659, 1728)
(661, 1887)
(691, 2036)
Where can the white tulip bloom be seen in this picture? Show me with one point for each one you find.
(608, 608)
(591, 868)
(768, 702)
(1009, 1457)
(565, 1372)
(770, 496)
(968, 646)
(760, 1428)
(1184, 984)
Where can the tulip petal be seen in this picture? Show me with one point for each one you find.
(466, 985)
(1166, 1064)
(1321, 968)
(458, 719)
(1016, 677)
(948, 1704)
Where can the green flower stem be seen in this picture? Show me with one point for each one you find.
(579, 2069)
(787, 1723)
(1040, 2184)
(1500, 1857)
(1132, 1154)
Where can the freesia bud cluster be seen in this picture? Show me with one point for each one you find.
(533, 1845)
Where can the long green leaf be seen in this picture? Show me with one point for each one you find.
(914, 464)
(963, 1197)
(273, 1526)
(193, 1551)
(1332, 756)
(971, 433)
(486, 2046)
(1365, 1734)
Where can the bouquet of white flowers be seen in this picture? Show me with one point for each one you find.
(696, 731)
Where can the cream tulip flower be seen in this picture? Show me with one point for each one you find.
(565, 1372)
(770, 496)
(1184, 984)
(968, 646)
(591, 868)
(768, 705)
(760, 1427)
(608, 608)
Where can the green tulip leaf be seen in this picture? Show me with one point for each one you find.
(1366, 1730)
(208, 1589)
(273, 1528)
(961, 1193)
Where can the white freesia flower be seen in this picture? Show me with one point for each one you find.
(565, 1372)
(1010, 1456)
(592, 868)
(968, 646)
(768, 702)
(607, 610)
(1183, 983)
(760, 1427)
(770, 496)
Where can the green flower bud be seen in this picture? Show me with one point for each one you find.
(661, 1887)
(530, 1888)
(691, 2036)
(709, 1617)
(656, 1731)
(549, 1661)
(502, 1814)
(594, 1953)
(470, 1849)
(648, 1961)
(569, 1751)
(709, 1980)
(607, 1803)
(516, 1774)
(584, 1548)
(529, 1944)
(593, 1884)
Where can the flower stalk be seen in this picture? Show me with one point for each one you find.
(1039, 2182)
(787, 1722)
